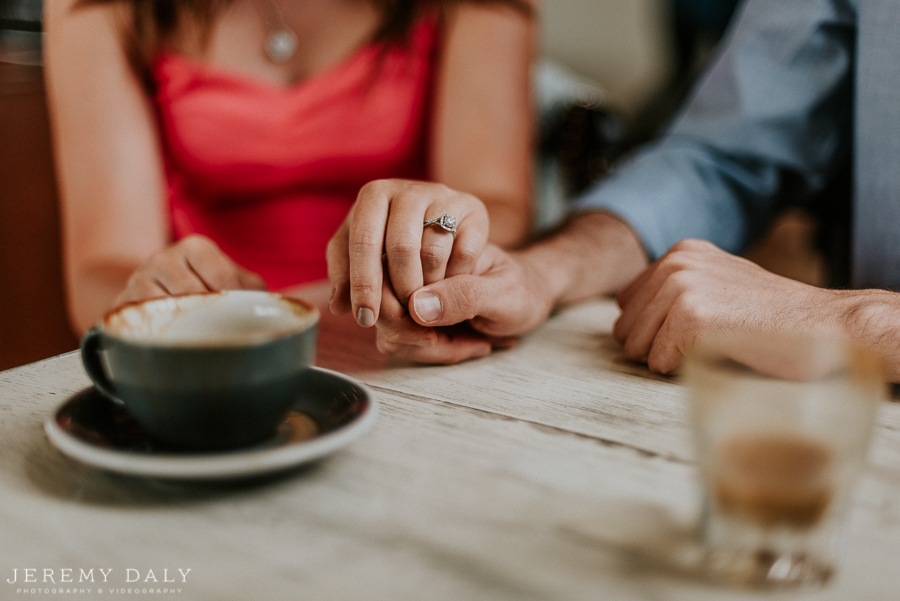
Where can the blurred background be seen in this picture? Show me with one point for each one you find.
(611, 73)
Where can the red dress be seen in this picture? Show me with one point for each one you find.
(269, 172)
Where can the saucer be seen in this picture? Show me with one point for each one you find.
(331, 411)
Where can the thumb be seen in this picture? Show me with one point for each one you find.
(452, 300)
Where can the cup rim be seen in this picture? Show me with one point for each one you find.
(314, 319)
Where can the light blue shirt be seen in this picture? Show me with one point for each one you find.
(772, 117)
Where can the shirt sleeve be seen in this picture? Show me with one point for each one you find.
(771, 118)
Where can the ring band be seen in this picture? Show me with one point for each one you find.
(447, 222)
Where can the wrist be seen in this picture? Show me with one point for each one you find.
(872, 319)
(592, 254)
(867, 315)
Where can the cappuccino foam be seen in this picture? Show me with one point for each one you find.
(232, 318)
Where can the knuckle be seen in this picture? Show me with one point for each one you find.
(686, 308)
(227, 279)
(447, 192)
(375, 187)
(137, 288)
(662, 360)
(466, 256)
(674, 261)
(702, 245)
(691, 245)
(402, 247)
(164, 262)
(364, 289)
(439, 190)
(475, 205)
(682, 280)
(682, 245)
(195, 242)
(633, 351)
(152, 263)
(364, 243)
(433, 256)
(655, 363)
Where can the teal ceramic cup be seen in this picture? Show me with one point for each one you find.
(204, 371)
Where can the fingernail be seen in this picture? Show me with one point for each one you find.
(365, 317)
(331, 298)
(427, 306)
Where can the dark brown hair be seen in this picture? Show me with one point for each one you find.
(155, 21)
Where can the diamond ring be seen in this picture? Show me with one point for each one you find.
(448, 222)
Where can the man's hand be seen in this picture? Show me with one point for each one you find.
(508, 294)
(696, 290)
(465, 316)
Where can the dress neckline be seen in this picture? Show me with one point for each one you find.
(249, 79)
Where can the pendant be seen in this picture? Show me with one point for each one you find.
(281, 45)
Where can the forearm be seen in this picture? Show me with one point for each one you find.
(872, 318)
(483, 130)
(510, 222)
(594, 253)
(92, 292)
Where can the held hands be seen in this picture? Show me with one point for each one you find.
(466, 316)
(501, 299)
(193, 264)
(464, 278)
(696, 290)
(385, 227)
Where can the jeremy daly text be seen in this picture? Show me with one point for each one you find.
(97, 575)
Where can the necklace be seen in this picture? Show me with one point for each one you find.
(281, 41)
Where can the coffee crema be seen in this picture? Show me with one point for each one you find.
(774, 480)
(232, 318)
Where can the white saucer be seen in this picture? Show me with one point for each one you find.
(331, 411)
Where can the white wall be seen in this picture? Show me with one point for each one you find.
(621, 44)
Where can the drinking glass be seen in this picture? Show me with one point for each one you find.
(781, 427)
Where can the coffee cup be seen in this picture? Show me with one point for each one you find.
(207, 371)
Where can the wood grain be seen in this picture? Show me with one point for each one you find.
(555, 470)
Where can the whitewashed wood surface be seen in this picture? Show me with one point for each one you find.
(556, 470)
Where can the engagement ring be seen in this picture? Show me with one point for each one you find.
(448, 222)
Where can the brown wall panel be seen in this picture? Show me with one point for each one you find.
(33, 322)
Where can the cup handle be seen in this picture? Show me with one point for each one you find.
(90, 357)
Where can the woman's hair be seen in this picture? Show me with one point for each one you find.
(155, 21)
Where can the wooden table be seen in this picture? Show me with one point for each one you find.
(555, 470)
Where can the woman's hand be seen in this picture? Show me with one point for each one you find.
(192, 265)
(385, 227)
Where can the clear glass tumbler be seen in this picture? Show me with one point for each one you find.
(782, 427)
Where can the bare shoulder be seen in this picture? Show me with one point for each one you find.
(54, 10)
(101, 14)
(532, 5)
(522, 8)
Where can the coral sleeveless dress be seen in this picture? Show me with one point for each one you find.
(269, 172)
